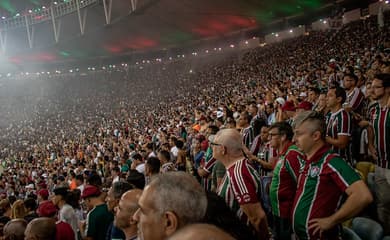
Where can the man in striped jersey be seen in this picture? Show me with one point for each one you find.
(246, 129)
(338, 123)
(284, 180)
(355, 97)
(241, 185)
(380, 121)
(324, 179)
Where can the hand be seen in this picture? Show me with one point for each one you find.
(372, 151)
(320, 225)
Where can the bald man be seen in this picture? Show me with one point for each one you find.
(14, 229)
(127, 206)
(42, 228)
(201, 232)
(241, 184)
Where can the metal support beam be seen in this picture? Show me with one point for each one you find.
(107, 10)
(3, 40)
(82, 16)
(133, 5)
(56, 26)
(30, 33)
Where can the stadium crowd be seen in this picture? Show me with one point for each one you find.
(286, 140)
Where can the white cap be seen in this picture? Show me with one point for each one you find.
(280, 100)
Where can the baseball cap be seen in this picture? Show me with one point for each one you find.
(46, 209)
(288, 106)
(44, 193)
(90, 191)
(305, 105)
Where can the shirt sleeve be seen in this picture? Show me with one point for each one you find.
(91, 225)
(293, 165)
(244, 185)
(342, 174)
(345, 124)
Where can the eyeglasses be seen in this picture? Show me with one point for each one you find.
(215, 144)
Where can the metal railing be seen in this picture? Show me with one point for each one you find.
(46, 14)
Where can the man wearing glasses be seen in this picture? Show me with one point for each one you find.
(379, 114)
(285, 177)
(324, 179)
(241, 184)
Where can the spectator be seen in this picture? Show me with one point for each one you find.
(379, 143)
(285, 177)
(41, 229)
(99, 218)
(14, 229)
(315, 209)
(113, 196)
(61, 199)
(167, 204)
(227, 148)
(63, 230)
(338, 124)
(125, 210)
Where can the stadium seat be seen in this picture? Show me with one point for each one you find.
(386, 238)
(349, 234)
(367, 229)
(365, 168)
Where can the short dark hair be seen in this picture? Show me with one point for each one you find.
(120, 187)
(340, 92)
(316, 90)
(353, 76)
(153, 164)
(284, 128)
(136, 179)
(385, 78)
(165, 154)
(214, 129)
(30, 204)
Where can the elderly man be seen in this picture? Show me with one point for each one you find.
(124, 211)
(241, 184)
(323, 181)
(171, 201)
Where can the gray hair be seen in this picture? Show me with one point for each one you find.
(230, 138)
(316, 119)
(180, 193)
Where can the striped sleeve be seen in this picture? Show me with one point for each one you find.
(341, 173)
(293, 165)
(344, 124)
(356, 99)
(244, 184)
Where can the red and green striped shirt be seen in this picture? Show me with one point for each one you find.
(241, 185)
(380, 121)
(284, 181)
(338, 124)
(321, 185)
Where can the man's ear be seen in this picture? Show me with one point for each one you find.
(317, 135)
(171, 223)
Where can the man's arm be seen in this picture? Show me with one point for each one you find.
(257, 218)
(340, 142)
(359, 196)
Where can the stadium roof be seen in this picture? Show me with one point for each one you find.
(154, 25)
